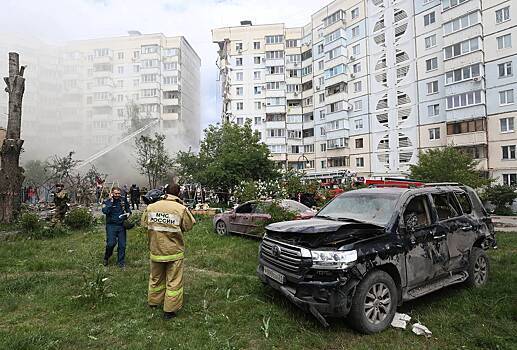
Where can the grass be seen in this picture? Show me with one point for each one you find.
(226, 305)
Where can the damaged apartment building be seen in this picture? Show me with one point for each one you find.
(86, 95)
(366, 85)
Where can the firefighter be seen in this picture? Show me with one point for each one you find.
(61, 203)
(166, 221)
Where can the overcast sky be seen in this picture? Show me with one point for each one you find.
(59, 20)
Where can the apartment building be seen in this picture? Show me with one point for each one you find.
(366, 85)
(103, 89)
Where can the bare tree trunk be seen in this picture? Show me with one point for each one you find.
(11, 174)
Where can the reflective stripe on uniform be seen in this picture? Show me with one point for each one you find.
(159, 228)
(174, 293)
(164, 258)
(158, 288)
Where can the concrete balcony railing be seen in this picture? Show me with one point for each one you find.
(275, 109)
(467, 139)
(171, 101)
(170, 116)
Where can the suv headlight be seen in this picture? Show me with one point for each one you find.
(333, 259)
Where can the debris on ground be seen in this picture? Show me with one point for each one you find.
(420, 329)
(400, 320)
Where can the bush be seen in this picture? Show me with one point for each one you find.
(79, 218)
(277, 214)
(501, 196)
(30, 222)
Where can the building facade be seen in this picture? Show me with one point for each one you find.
(366, 85)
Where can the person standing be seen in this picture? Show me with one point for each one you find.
(116, 208)
(166, 221)
(60, 202)
(134, 194)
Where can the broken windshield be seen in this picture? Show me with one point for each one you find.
(374, 207)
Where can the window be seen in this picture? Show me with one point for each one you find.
(322, 114)
(430, 18)
(356, 68)
(358, 86)
(256, 45)
(292, 43)
(306, 70)
(276, 132)
(508, 152)
(447, 4)
(321, 65)
(356, 50)
(335, 125)
(359, 162)
(321, 97)
(338, 162)
(275, 85)
(320, 49)
(238, 46)
(257, 120)
(464, 100)
(446, 206)
(120, 69)
(334, 53)
(170, 80)
(510, 179)
(355, 31)
(355, 13)
(274, 39)
(466, 126)
(136, 83)
(462, 74)
(461, 48)
(431, 64)
(170, 66)
(432, 87)
(256, 60)
(506, 97)
(308, 148)
(505, 69)
(323, 147)
(323, 164)
(341, 142)
(240, 121)
(502, 15)
(256, 75)
(136, 68)
(239, 76)
(358, 105)
(275, 55)
(461, 23)
(359, 143)
(277, 148)
(258, 105)
(417, 214)
(434, 134)
(333, 18)
(275, 70)
(240, 106)
(329, 73)
(238, 61)
(504, 41)
(120, 55)
(430, 41)
(257, 90)
(171, 52)
(358, 124)
(149, 49)
(239, 91)
(433, 110)
(506, 124)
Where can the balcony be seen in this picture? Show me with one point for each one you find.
(467, 139)
(103, 59)
(275, 109)
(170, 116)
(174, 101)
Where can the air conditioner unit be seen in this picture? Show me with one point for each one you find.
(352, 58)
(295, 94)
(352, 75)
(318, 88)
(263, 103)
(349, 107)
(477, 79)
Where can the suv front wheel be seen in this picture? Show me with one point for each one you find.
(479, 268)
(374, 303)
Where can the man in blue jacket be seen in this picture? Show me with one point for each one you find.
(116, 209)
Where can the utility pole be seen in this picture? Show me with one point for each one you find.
(11, 174)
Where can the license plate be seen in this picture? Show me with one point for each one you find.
(274, 275)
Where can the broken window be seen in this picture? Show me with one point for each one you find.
(417, 213)
(464, 202)
(446, 206)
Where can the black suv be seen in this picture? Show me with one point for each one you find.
(369, 250)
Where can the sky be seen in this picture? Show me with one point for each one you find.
(55, 21)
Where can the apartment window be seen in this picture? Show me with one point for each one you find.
(258, 106)
(504, 41)
(510, 179)
(358, 105)
(359, 143)
(136, 83)
(170, 66)
(238, 46)
(306, 70)
(276, 132)
(170, 80)
(358, 86)
(358, 124)
(506, 124)
(257, 90)
(308, 148)
(275, 101)
(240, 106)
(136, 54)
(338, 162)
(323, 164)
(239, 91)
(240, 121)
(356, 50)
(505, 69)
(466, 127)
(120, 69)
(277, 148)
(506, 97)
(170, 52)
(294, 118)
(322, 131)
(447, 4)
(275, 85)
(256, 60)
(355, 31)
(294, 134)
(356, 68)
(120, 83)
(149, 49)
(239, 76)
(434, 134)
(292, 43)
(331, 72)
(275, 55)
(323, 147)
(274, 39)
(430, 18)
(461, 48)
(322, 98)
(150, 63)
(334, 53)
(433, 110)
(508, 152)
(149, 78)
(335, 125)
(359, 162)
(238, 61)
(256, 75)
(258, 120)
(355, 13)
(502, 15)
(466, 99)
(431, 64)
(333, 18)
(430, 41)
(432, 87)
(321, 65)
(341, 142)
(462, 74)
(320, 49)
(256, 45)
(460, 23)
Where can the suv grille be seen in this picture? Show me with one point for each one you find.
(284, 256)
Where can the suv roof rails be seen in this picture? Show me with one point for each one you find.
(435, 184)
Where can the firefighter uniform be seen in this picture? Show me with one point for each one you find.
(166, 221)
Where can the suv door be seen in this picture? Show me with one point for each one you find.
(426, 248)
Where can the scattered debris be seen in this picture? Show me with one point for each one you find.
(420, 329)
(400, 320)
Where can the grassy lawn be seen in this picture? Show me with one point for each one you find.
(226, 305)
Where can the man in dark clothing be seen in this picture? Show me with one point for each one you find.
(61, 203)
(116, 209)
(134, 193)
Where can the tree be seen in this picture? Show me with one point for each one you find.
(448, 164)
(152, 158)
(229, 155)
(501, 196)
(11, 174)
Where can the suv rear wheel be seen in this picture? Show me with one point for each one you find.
(479, 268)
(374, 303)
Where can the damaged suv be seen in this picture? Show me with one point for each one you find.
(369, 250)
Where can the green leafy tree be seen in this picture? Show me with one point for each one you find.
(229, 155)
(448, 164)
(152, 158)
(501, 196)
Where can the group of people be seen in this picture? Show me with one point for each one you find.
(165, 220)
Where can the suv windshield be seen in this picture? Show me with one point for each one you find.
(374, 207)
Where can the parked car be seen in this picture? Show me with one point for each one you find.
(371, 249)
(247, 217)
